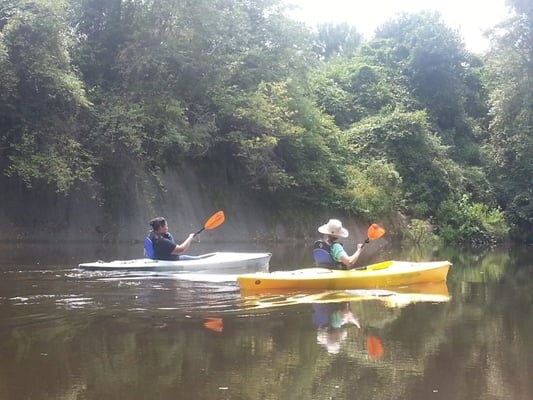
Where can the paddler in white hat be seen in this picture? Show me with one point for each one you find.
(332, 231)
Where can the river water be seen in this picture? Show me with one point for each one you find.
(72, 334)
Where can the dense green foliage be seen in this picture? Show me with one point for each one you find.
(510, 142)
(409, 122)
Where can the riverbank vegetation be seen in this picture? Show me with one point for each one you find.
(407, 123)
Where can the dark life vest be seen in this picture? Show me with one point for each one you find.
(150, 241)
(322, 255)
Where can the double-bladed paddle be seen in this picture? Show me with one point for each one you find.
(213, 222)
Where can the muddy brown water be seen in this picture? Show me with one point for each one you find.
(72, 334)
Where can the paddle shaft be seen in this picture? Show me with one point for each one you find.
(200, 231)
(374, 232)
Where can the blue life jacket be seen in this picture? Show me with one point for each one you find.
(322, 255)
(149, 246)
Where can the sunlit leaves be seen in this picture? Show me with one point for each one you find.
(262, 118)
(63, 165)
(8, 77)
(464, 221)
(349, 90)
(38, 41)
(406, 140)
(45, 97)
(336, 40)
(141, 130)
(420, 232)
(269, 110)
(373, 189)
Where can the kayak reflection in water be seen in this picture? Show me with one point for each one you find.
(160, 245)
(331, 321)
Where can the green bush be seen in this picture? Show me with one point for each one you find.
(474, 223)
(373, 189)
(420, 232)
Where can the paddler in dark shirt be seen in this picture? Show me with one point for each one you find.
(163, 243)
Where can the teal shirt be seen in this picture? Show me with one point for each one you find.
(336, 252)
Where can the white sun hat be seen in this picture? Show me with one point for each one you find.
(334, 228)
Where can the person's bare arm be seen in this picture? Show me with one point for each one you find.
(351, 260)
(180, 248)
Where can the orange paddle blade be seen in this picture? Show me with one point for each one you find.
(215, 220)
(374, 347)
(375, 232)
(214, 324)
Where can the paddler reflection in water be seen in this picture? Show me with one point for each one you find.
(160, 245)
(332, 321)
(329, 252)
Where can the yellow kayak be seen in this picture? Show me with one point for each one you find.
(381, 275)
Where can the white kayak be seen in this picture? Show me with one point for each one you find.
(205, 263)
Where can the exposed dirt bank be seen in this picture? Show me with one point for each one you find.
(184, 198)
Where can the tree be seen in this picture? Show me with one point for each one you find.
(284, 142)
(349, 89)
(336, 40)
(405, 140)
(441, 75)
(101, 27)
(39, 133)
(510, 145)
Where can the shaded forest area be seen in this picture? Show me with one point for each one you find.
(408, 126)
